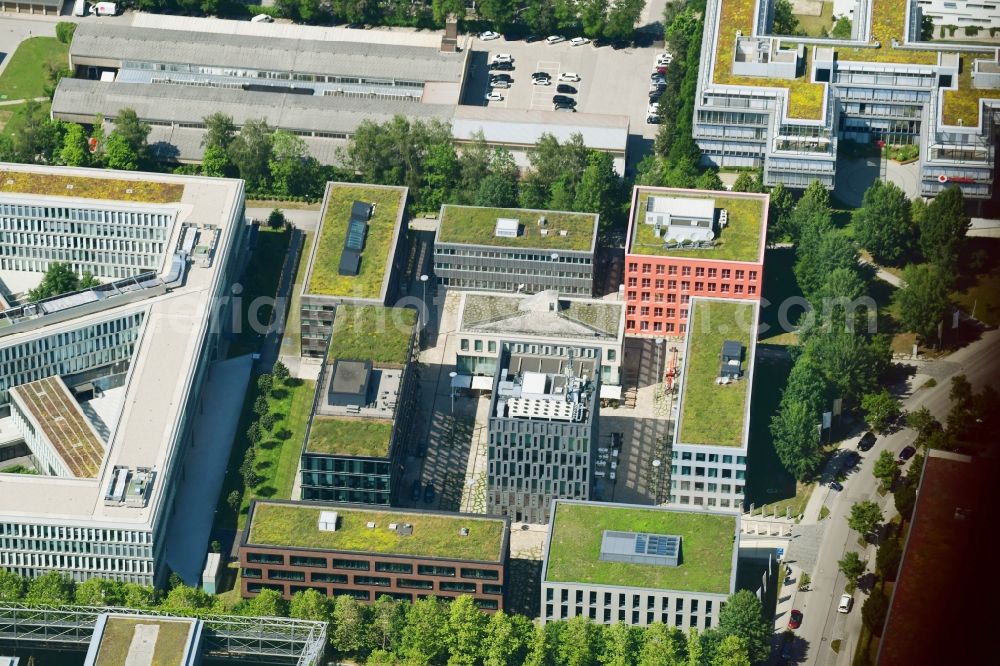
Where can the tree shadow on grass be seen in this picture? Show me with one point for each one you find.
(279, 393)
(263, 465)
(266, 491)
(269, 444)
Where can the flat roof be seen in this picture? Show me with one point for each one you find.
(48, 403)
(501, 125)
(742, 239)
(513, 316)
(294, 525)
(158, 381)
(474, 225)
(945, 543)
(349, 436)
(708, 547)
(712, 413)
(279, 54)
(158, 641)
(372, 333)
(16, 180)
(372, 282)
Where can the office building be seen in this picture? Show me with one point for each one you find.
(638, 564)
(357, 436)
(712, 426)
(515, 250)
(366, 554)
(982, 14)
(356, 256)
(683, 244)
(555, 325)
(786, 104)
(104, 384)
(543, 422)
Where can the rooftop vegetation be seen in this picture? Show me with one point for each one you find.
(349, 436)
(171, 638)
(323, 278)
(712, 413)
(477, 226)
(433, 535)
(739, 241)
(888, 23)
(372, 333)
(86, 187)
(482, 308)
(963, 104)
(706, 548)
(603, 317)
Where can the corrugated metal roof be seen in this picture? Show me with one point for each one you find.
(517, 126)
(280, 54)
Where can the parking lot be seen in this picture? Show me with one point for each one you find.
(611, 81)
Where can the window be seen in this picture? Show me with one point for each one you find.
(644, 311)
(415, 583)
(671, 312)
(456, 586)
(751, 289)
(738, 289)
(630, 309)
(725, 288)
(323, 577)
(672, 270)
(492, 589)
(686, 270)
(265, 558)
(464, 345)
(711, 286)
(632, 281)
(658, 284)
(699, 286)
(360, 565)
(659, 269)
(643, 325)
(645, 297)
(726, 273)
(491, 346)
(699, 272)
(685, 285)
(646, 268)
(433, 570)
(633, 267)
(713, 272)
(631, 295)
(645, 283)
(380, 581)
(657, 326)
(740, 274)
(671, 284)
(753, 275)
(657, 312)
(393, 567)
(251, 573)
(302, 561)
(284, 574)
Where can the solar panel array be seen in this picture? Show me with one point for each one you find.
(640, 548)
(354, 242)
(356, 232)
(656, 544)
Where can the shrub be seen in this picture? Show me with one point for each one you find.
(971, 30)
(64, 31)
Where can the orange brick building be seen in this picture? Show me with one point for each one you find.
(686, 243)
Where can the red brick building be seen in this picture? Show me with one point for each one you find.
(686, 243)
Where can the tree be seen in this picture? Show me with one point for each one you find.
(233, 500)
(441, 174)
(58, 279)
(499, 13)
(250, 152)
(743, 615)
(622, 17)
(592, 16)
(942, 230)
(267, 603)
(134, 131)
(579, 642)
(694, 648)
(425, 639)
(309, 605)
(904, 496)
(215, 162)
(796, 438)
(883, 225)
(881, 409)
(661, 646)
(923, 301)
(347, 628)
(294, 172)
(874, 611)
(183, 599)
(620, 645)
(388, 617)
(748, 181)
(220, 130)
(832, 250)
(598, 188)
(443, 8)
(814, 205)
(260, 406)
(100, 592)
(466, 627)
(264, 383)
(923, 422)
(138, 596)
(75, 151)
(887, 558)
(852, 566)
(267, 421)
(709, 180)
(12, 586)
(38, 137)
(280, 372)
(64, 31)
(276, 219)
(785, 22)
(506, 639)
(838, 300)
(541, 645)
(864, 517)
(118, 154)
(732, 650)
(782, 205)
(842, 28)
(52, 588)
(885, 469)
(496, 191)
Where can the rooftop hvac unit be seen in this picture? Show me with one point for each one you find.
(370, 525)
(327, 521)
(563, 232)
(393, 526)
(544, 232)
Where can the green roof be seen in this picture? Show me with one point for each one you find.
(476, 226)
(712, 413)
(740, 240)
(171, 640)
(707, 542)
(86, 187)
(349, 436)
(434, 535)
(323, 278)
(372, 333)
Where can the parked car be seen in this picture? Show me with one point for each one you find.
(532, 38)
(654, 108)
(867, 441)
(565, 107)
(501, 77)
(664, 59)
(846, 601)
(554, 39)
(541, 81)
(658, 86)
(569, 77)
(502, 57)
(653, 120)
(415, 491)
(563, 88)
(563, 99)
(579, 41)
(656, 76)
(906, 454)
(795, 619)
(493, 96)
(429, 493)
(501, 83)
(259, 18)
(836, 485)
(655, 95)
(489, 35)
(502, 66)
(661, 69)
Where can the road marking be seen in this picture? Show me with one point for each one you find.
(541, 96)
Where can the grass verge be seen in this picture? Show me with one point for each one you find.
(260, 280)
(27, 72)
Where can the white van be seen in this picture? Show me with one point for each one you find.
(105, 9)
(262, 18)
(80, 8)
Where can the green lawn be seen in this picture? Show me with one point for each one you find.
(260, 279)
(979, 285)
(474, 225)
(712, 413)
(814, 26)
(433, 535)
(739, 241)
(279, 450)
(171, 638)
(26, 73)
(706, 548)
(324, 278)
(291, 342)
(373, 333)
(350, 437)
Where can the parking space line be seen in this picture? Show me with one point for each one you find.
(541, 95)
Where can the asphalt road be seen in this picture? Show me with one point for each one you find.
(980, 363)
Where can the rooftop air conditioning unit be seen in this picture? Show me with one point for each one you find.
(544, 232)
(327, 521)
(370, 525)
(393, 526)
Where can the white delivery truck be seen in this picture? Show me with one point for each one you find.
(80, 8)
(105, 9)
